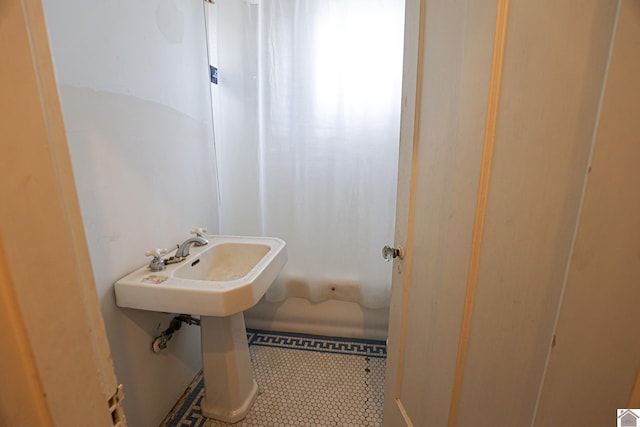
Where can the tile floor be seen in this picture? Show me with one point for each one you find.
(304, 380)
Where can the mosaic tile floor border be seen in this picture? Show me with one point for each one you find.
(354, 346)
(340, 381)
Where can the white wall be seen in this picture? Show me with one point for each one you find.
(133, 82)
(232, 32)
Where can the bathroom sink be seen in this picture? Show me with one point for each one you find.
(225, 277)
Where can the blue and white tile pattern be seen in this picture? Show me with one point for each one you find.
(304, 381)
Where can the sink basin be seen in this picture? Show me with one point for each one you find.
(225, 277)
(224, 262)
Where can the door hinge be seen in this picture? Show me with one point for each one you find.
(115, 407)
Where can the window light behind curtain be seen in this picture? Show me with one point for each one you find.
(307, 128)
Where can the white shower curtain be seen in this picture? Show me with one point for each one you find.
(307, 128)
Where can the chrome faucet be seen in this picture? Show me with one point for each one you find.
(184, 247)
(158, 263)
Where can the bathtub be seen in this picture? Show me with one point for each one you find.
(331, 318)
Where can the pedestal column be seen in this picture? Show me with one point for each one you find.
(229, 387)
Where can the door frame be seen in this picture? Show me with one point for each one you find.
(59, 364)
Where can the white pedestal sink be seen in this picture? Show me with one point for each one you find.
(217, 282)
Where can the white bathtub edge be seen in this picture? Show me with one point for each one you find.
(330, 318)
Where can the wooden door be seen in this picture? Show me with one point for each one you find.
(449, 49)
(488, 232)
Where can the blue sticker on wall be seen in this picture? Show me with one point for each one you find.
(214, 74)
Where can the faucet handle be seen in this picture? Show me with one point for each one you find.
(199, 231)
(156, 253)
(157, 263)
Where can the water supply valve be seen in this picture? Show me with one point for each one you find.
(199, 231)
(157, 263)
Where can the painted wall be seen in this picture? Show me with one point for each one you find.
(232, 31)
(133, 83)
